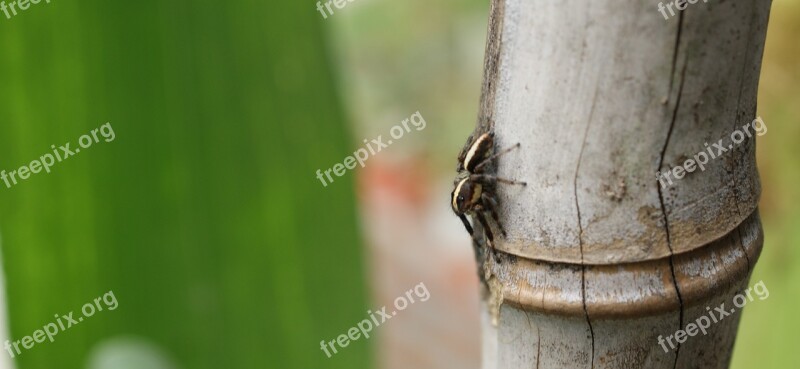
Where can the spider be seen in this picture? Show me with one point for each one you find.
(474, 194)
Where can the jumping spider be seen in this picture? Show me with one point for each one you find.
(474, 194)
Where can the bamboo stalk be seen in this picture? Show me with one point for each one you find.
(600, 258)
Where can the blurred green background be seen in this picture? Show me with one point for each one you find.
(204, 216)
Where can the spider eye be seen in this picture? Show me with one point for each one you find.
(460, 198)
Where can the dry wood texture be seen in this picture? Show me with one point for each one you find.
(600, 259)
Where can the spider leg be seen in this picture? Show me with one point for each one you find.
(488, 230)
(490, 158)
(466, 223)
(491, 206)
(488, 178)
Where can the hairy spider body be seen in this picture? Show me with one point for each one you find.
(474, 193)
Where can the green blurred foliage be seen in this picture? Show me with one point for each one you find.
(203, 216)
